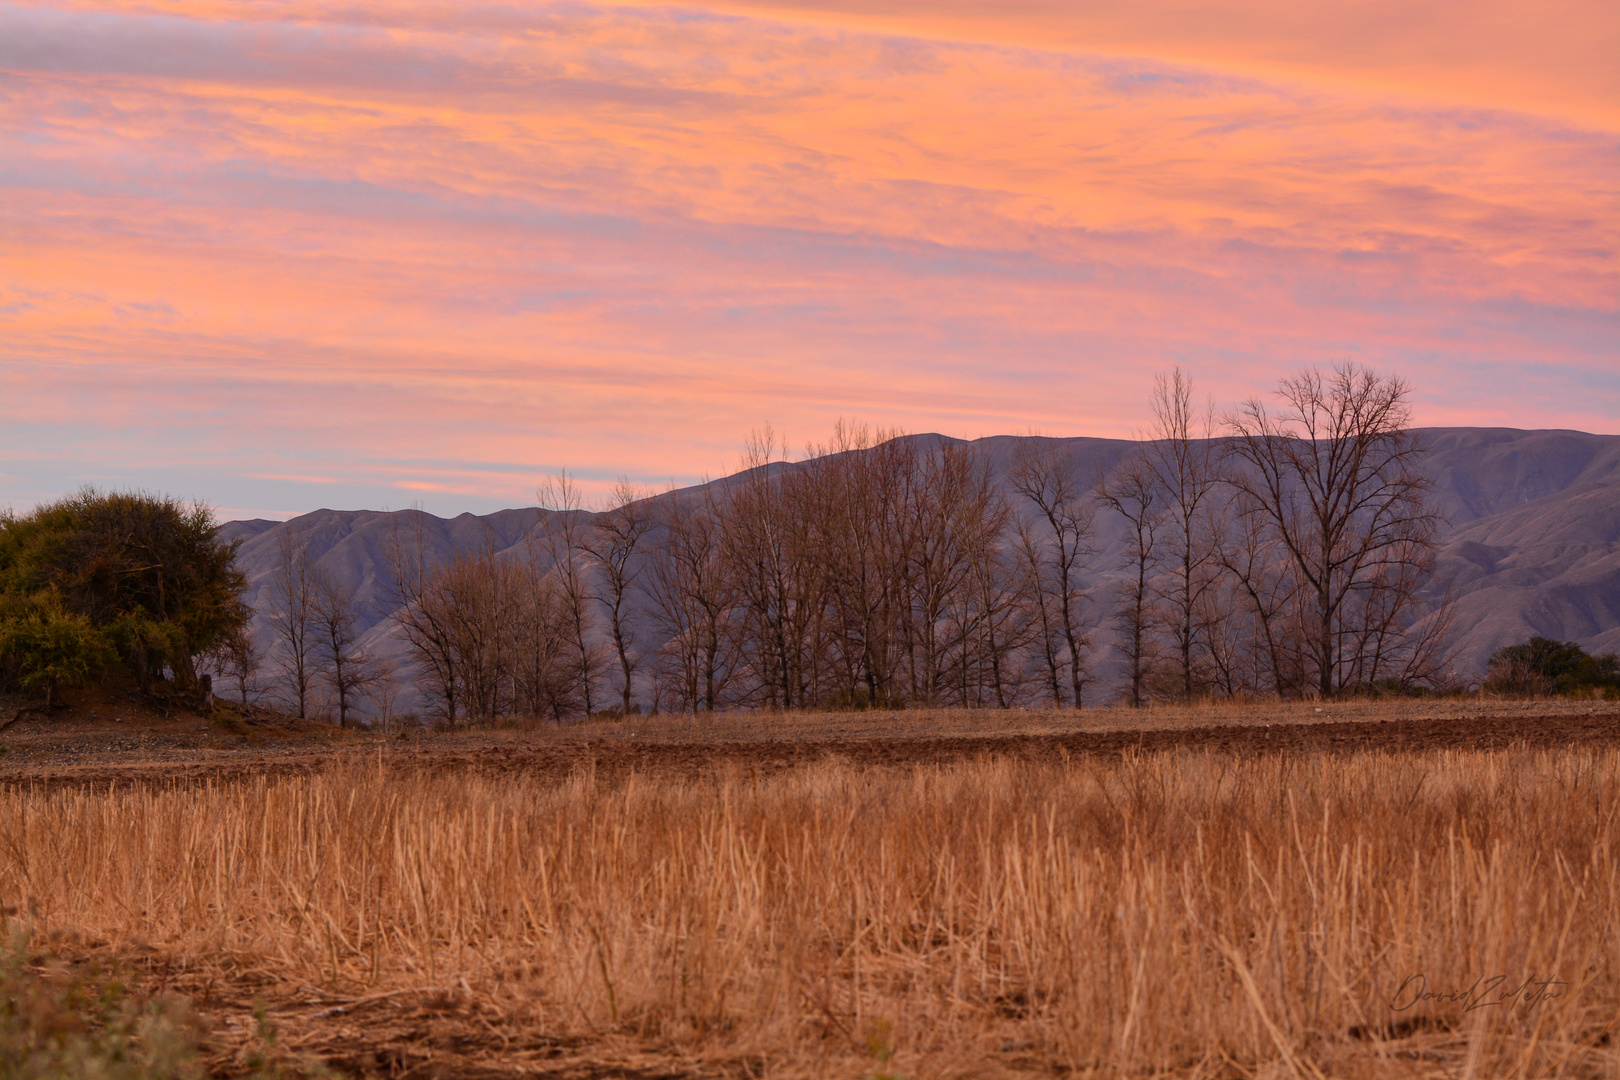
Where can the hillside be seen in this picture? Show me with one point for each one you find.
(1533, 544)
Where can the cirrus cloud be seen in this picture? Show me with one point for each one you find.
(422, 248)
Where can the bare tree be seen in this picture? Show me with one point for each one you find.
(691, 597)
(865, 535)
(1042, 473)
(475, 598)
(345, 668)
(543, 675)
(958, 517)
(1334, 479)
(384, 693)
(1039, 595)
(1132, 491)
(238, 659)
(1181, 454)
(490, 633)
(1264, 589)
(292, 610)
(417, 610)
(893, 570)
(564, 541)
(774, 578)
(614, 544)
(998, 625)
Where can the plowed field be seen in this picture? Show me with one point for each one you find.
(92, 755)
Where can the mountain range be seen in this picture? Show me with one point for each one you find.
(1531, 546)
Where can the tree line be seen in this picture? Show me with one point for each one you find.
(1283, 548)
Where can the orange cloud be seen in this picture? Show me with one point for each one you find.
(448, 248)
(1555, 57)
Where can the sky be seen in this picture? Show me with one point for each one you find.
(283, 256)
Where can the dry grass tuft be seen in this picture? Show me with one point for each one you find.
(1181, 913)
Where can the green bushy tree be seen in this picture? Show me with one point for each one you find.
(141, 575)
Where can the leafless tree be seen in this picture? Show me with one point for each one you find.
(345, 668)
(1264, 588)
(999, 626)
(490, 632)
(544, 676)
(875, 571)
(1043, 474)
(774, 581)
(1132, 491)
(1039, 595)
(477, 599)
(691, 597)
(867, 521)
(959, 515)
(384, 693)
(417, 609)
(1334, 479)
(239, 660)
(1181, 454)
(563, 537)
(614, 544)
(292, 611)
(884, 570)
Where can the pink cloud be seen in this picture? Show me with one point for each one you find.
(461, 250)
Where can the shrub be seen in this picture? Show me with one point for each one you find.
(1541, 666)
(62, 1023)
(51, 649)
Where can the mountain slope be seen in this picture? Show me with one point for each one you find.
(1532, 545)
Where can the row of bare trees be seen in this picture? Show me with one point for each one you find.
(877, 571)
(316, 655)
(1279, 549)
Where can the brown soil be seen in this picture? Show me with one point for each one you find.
(118, 739)
(116, 731)
(303, 1032)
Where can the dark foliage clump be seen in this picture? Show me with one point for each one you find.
(101, 578)
(1542, 666)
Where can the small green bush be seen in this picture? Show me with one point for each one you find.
(50, 649)
(60, 1023)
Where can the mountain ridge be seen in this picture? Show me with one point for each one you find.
(1532, 544)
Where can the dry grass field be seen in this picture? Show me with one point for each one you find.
(1220, 903)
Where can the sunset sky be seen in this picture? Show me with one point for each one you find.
(280, 256)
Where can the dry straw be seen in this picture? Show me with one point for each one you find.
(1180, 913)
